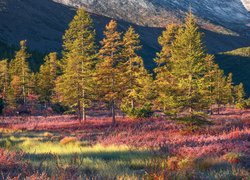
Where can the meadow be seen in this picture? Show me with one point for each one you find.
(58, 147)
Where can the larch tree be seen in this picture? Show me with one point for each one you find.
(4, 81)
(109, 74)
(137, 79)
(188, 68)
(221, 89)
(75, 87)
(164, 80)
(20, 74)
(46, 77)
(239, 94)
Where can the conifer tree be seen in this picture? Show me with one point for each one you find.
(108, 71)
(74, 87)
(220, 90)
(164, 80)
(230, 89)
(189, 68)
(4, 79)
(166, 41)
(20, 74)
(239, 94)
(136, 77)
(219, 86)
(47, 75)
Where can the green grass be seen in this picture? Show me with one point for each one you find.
(50, 155)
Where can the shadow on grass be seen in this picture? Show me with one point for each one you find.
(106, 164)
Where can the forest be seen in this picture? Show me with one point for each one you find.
(94, 111)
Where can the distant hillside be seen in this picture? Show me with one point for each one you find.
(237, 62)
(245, 52)
(43, 22)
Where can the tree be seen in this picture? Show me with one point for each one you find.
(220, 87)
(74, 87)
(4, 82)
(20, 74)
(4, 78)
(136, 77)
(239, 94)
(108, 70)
(164, 79)
(47, 76)
(221, 90)
(188, 69)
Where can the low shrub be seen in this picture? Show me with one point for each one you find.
(142, 112)
(58, 108)
(233, 158)
(185, 164)
(68, 140)
(194, 120)
(172, 163)
(6, 143)
(48, 134)
(206, 164)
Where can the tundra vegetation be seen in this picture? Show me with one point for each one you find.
(185, 120)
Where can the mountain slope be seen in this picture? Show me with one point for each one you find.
(223, 15)
(43, 23)
(238, 63)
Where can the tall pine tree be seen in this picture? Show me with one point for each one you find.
(137, 79)
(239, 94)
(4, 83)
(188, 69)
(20, 75)
(47, 75)
(74, 87)
(109, 69)
(164, 80)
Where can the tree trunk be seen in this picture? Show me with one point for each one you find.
(218, 109)
(84, 115)
(79, 112)
(113, 113)
(190, 109)
(132, 104)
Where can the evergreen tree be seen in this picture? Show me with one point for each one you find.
(4, 80)
(220, 90)
(47, 75)
(136, 77)
(166, 41)
(20, 74)
(164, 79)
(109, 74)
(230, 89)
(239, 94)
(74, 87)
(189, 69)
(219, 86)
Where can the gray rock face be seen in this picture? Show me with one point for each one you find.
(222, 15)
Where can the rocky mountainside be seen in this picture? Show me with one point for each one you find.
(225, 16)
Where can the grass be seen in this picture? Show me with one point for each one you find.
(105, 161)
